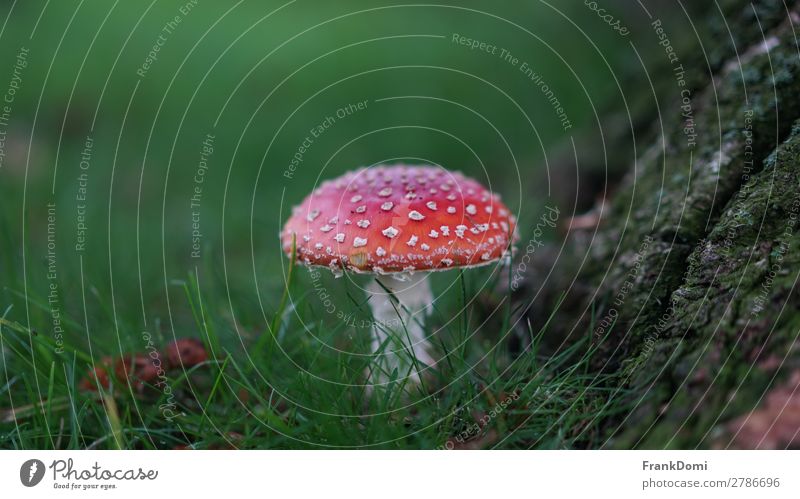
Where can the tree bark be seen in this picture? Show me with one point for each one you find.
(688, 284)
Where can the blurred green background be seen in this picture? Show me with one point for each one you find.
(258, 76)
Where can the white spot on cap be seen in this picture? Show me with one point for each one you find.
(488, 208)
(471, 209)
(363, 223)
(415, 215)
(328, 250)
(434, 234)
(361, 209)
(390, 232)
(411, 195)
(312, 215)
(359, 242)
(445, 230)
(318, 246)
(451, 209)
(447, 261)
(326, 228)
(460, 230)
(388, 205)
(424, 247)
(306, 238)
(334, 220)
(380, 251)
(451, 197)
(486, 256)
(412, 241)
(385, 192)
(356, 198)
(431, 205)
(504, 225)
(444, 187)
(339, 237)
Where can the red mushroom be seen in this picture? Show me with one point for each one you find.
(400, 222)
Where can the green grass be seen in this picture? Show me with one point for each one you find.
(287, 389)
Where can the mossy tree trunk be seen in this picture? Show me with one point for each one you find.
(688, 284)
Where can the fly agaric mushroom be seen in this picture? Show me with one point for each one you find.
(399, 223)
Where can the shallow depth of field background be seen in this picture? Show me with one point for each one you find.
(258, 76)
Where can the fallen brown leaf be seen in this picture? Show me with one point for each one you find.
(774, 425)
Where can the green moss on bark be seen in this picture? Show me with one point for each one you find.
(690, 282)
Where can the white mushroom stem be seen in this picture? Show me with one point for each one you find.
(399, 317)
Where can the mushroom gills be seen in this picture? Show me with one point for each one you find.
(409, 304)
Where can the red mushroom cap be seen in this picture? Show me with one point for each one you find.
(400, 218)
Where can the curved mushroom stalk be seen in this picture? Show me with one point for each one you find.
(398, 332)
